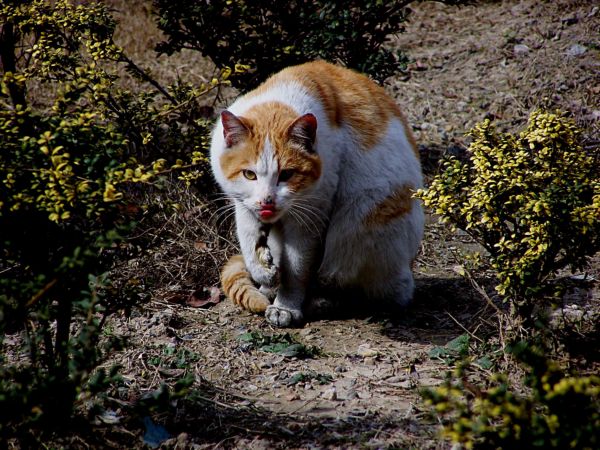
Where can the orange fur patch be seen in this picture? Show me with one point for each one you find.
(347, 96)
(395, 205)
(272, 120)
(238, 286)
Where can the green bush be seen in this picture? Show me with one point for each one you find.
(73, 147)
(267, 36)
(532, 201)
(554, 410)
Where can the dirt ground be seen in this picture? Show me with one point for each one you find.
(353, 381)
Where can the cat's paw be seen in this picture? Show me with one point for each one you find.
(283, 317)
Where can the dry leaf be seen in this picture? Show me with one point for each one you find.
(201, 246)
(204, 297)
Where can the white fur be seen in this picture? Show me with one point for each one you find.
(353, 181)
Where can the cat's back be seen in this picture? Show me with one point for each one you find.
(341, 96)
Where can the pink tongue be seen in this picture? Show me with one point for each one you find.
(266, 213)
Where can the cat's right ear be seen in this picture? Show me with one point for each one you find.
(234, 130)
(303, 132)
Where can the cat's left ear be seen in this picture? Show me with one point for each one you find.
(303, 132)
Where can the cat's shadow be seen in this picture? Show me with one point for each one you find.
(442, 308)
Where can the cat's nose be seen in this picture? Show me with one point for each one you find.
(268, 200)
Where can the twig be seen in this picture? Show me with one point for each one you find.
(480, 290)
(460, 325)
(41, 293)
(146, 77)
(310, 400)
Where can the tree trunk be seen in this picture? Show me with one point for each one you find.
(8, 41)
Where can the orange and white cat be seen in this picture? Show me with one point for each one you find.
(321, 166)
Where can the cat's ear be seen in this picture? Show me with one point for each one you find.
(234, 130)
(303, 132)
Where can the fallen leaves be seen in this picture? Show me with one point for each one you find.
(200, 298)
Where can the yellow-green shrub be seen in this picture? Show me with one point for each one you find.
(73, 144)
(532, 200)
(555, 409)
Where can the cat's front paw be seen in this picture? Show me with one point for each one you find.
(283, 317)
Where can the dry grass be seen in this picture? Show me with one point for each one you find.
(138, 34)
(467, 66)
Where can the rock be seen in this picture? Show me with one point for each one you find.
(520, 49)
(330, 394)
(351, 395)
(370, 360)
(569, 20)
(395, 379)
(576, 50)
(366, 351)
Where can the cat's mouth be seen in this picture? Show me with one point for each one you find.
(267, 213)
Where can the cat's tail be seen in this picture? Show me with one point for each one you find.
(238, 286)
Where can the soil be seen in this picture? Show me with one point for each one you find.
(354, 381)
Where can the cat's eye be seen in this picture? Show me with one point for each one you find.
(285, 175)
(248, 174)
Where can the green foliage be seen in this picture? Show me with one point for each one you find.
(453, 350)
(533, 202)
(283, 344)
(304, 377)
(172, 357)
(74, 146)
(556, 410)
(267, 36)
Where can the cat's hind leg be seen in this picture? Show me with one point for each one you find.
(395, 289)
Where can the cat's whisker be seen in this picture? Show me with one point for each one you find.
(318, 223)
(224, 207)
(304, 221)
(224, 211)
(313, 211)
(228, 216)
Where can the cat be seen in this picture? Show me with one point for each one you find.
(320, 165)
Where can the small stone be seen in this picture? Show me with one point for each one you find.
(520, 49)
(351, 394)
(576, 50)
(366, 351)
(182, 439)
(406, 384)
(330, 394)
(370, 360)
(570, 20)
(395, 379)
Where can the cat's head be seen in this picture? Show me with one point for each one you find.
(269, 161)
